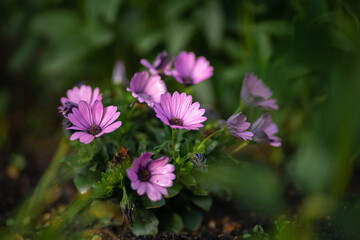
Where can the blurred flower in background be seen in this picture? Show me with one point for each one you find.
(119, 74)
(190, 70)
(77, 94)
(147, 89)
(237, 126)
(161, 65)
(256, 94)
(264, 130)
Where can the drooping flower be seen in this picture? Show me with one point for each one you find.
(151, 176)
(147, 89)
(178, 111)
(75, 95)
(93, 121)
(237, 126)
(190, 70)
(256, 94)
(161, 65)
(264, 130)
(119, 74)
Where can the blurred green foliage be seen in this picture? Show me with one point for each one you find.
(307, 51)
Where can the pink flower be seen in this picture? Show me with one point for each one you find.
(147, 89)
(264, 130)
(255, 93)
(93, 121)
(237, 126)
(189, 70)
(178, 111)
(151, 176)
(75, 95)
(161, 65)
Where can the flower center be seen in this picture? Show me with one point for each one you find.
(94, 130)
(188, 80)
(144, 175)
(176, 121)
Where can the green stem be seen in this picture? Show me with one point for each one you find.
(39, 199)
(173, 143)
(210, 136)
(241, 146)
(241, 107)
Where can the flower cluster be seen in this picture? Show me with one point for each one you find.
(166, 161)
(255, 94)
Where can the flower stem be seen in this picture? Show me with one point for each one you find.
(96, 144)
(241, 146)
(172, 139)
(210, 136)
(131, 110)
(173, 143)
(241, 107)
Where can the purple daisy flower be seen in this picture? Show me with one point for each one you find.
(178, 111)
(151, 176)
(161, 65)
(237, 126)
(255, 93)
(75, 95)
(264, 130)
(92, 121)
(147, 89)
(189, 70)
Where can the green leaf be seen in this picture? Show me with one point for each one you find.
(200, 191)
(146, 223)
(104, 210)
(178, 35)
(23, 53)
(148, 204)
(212, 17)
(246, 235)
(107, 10)
(187, 179)
(186, 147)
(189, 166)
(203, 202)
(83, 182)
(171, 222)
(76, 161)
(211, 147)
(67, 23)
(192, 219)
(174, 190)
(85, 150)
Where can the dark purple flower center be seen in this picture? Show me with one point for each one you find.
(94, 130)
(176, 121)
(188, 80)
(144, 175)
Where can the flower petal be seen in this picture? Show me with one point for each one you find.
(97, 112)
(86, 138)
(142, 188)
(152, 193)
(160, 162)
(161, 180)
